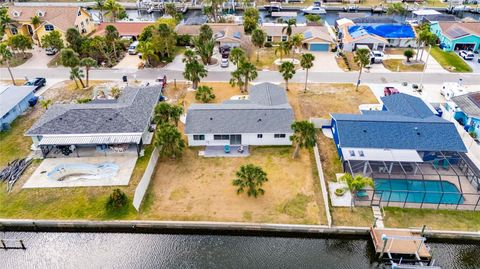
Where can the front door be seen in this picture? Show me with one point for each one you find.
(236, 139)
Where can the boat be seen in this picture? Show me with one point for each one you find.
(316, 9)
(273, 7)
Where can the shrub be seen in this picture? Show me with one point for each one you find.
(83, 100)
(184, 40)
(408, 54)
(340, 191)
(117, 200)
(268, 44)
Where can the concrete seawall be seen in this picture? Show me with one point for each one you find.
(200, 227)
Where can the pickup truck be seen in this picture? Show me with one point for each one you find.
(390, 90)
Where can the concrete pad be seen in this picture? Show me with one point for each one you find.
(324, 62)
(38, 60)
(39, 178)
(129, 62)
(340, 201)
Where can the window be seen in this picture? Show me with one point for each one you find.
(82, 24)
(361, 154)
(48, 27)
(221, 137)
(198, 137)
(79, 13)
(259, 135)
(269, 38)
(352, 153)
(86, 21)
(14, 30)
(279, 135)
(284, 38)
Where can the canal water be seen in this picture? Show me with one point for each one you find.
(108, 250)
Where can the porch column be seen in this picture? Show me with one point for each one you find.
(391, 167)
(365, 166)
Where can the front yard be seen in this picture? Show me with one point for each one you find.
(450, 61)
(18, 59)
(398, 65)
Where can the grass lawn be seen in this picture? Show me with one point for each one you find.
(18, 59)
(397, 65)
(347, 62)
(55, 61)
(360, 216)
(434, 219)
(267, 57)
(450, 60)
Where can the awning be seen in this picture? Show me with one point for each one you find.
(90, 140)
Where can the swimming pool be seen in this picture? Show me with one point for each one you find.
(418, 191)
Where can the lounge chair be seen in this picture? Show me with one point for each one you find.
(226, 149)
(445, 164)
(362, 194)
(435, 163)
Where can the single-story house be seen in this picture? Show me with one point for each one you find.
(466, 109)
(14, 100)
(405, 130)
(431, 16)
(128, 29)
(225, 34)
(51, 18)
(123, 122)
(457, 35)
(377, 36)
(315, 38)
(264, 118)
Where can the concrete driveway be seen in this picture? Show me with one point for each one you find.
(39, 59)
(474, 64)
(129, 62)
(324, 62)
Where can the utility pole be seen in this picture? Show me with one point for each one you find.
(420, 87)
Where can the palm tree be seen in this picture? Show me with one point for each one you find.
(100, 5)
(35, 21)
(194, 71)
(205, 49)
(282, 49)
(5, 57)
(355, 184)
(250, 178)
(189, 56)
(88, 63)
(147, 50)
(306, 63)
(112, 35)
(161, 113)
(69, 58)
(237, 79)
(46, 103)
(296, 42)
(5, 20)
(304, 136)
(258, 40)
(77, 73)
(175, 113)
(362, 58)
(237, 55)
(113, 9)
(287, 69)
(213, 7)
(288, 28)
(115, 92)
(169, 141)
(249, 73)
(204, 94)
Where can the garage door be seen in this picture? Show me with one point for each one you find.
(319, 47)
(464, 46)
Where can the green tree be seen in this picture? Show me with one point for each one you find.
(116, 200)
(20, 42)
(176, 112)
(397, 8)
(100, 6)
(53, 40)
(69, 58)
(88, 63)
(314, 18)
(4, 20)
(306, 63)
(206, 33)
(169, 141)
(288, 28)
(35, 21)
(204, 49)
(204, 94)
(167, 113)
(111, 36)
(115, 92)
(362, 58)
(236, 79)
(5, 57)
(408, 54)
(114, 10)
(147, 49)
(74, 38)
(213, 7)
(282, 49)
(296, 42)
(189, 56)
(287, 69)
(194, 71)
(46, 103)
(77, 73)
(250, 20)
(250, 178)
(248, 71)
(258, 40)
(355, 184)
(304, 136)
(237, 55)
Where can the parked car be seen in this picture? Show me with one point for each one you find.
(390, 90)
(467, 55)
(132, 50)
(377, 56)
(451, 89)
(224, 63)
(162, 80)
(37, 82)
(51, 51)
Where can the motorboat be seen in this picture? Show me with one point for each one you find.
(273, 7)
(316, 9)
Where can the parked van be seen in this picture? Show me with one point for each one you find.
(132, 50)
(451, 89)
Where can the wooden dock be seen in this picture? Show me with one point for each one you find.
(399, 243)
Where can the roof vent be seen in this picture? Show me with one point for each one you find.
(364, 131)
(211, 118)
(259, 120)
(110, 119)
(40, 13)
(16, 13)
(418, 133)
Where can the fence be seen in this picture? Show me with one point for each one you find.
(145, 181)
(319, 123)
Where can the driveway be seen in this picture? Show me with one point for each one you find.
(129, 62)
(474, 64)
(324, 62)
(38, 60)
(177, 64)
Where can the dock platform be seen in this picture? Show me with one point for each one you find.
(399, 243)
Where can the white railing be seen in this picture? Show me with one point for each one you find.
(145, 181)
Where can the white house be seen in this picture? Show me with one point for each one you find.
(262, 119)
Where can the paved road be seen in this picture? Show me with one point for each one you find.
(263, 76)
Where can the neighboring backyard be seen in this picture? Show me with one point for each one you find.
(450, 60)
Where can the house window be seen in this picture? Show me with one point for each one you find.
(284, 38)
(269, 38)
(361, 154)
(48, 27)
(259, 135)
(221, 137)
(14, 30)
(279, 135)
(352, 153)
(82, 24)
(86, 21)
(79, 13)
(198, 137)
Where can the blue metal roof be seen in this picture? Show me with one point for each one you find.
(405, 125)
(388, 30)
(237, 35)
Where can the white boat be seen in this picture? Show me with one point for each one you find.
(315, 9)
(273, 7)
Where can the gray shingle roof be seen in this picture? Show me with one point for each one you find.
(129, 114)
(469, 103)
(401, 127)
(266, 111)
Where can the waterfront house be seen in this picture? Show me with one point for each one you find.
(224, 34)
(100, 124)
(52, 18)
(262, 119)
(466, 109)
(457, 35)
(315, 37)
(129, 30)
(14, 100)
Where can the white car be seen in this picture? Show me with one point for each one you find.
(224, 63)
(377, 56)
(467, 55)
(132, 50)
